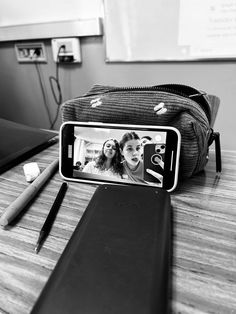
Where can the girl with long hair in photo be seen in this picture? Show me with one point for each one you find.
(108, 162)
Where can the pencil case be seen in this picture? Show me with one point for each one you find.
(191, 111)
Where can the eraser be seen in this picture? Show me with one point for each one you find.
(31, 171)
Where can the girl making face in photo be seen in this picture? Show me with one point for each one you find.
(130, 147)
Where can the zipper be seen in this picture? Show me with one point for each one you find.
(215, 137)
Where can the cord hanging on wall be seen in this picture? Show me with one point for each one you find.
(57, 95)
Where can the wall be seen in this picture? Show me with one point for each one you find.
(22, 100)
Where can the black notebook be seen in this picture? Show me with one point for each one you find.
(118, 258)
(18, 142)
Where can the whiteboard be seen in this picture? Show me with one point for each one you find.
(18, 12)
(27, 19)
(167, 30)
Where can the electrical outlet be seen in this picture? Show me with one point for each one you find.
(30, 52)
(66, 50)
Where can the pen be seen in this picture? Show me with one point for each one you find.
(27, 195)
(51, 217)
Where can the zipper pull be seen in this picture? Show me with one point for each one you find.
(215, 137)
(218, 152)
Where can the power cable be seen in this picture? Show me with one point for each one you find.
(52, 79)
(43, 92)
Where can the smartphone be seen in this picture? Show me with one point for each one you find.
(118, 153)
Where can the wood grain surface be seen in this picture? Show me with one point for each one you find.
(204, 238)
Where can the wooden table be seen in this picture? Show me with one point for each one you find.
(204, 242)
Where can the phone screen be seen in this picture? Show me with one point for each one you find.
(120, 153)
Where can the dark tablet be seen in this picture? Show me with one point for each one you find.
(118, 258)
(18, 142)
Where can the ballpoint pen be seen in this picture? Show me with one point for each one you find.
(51, 217)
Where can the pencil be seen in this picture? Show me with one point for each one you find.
(28, 194)
(44, 232)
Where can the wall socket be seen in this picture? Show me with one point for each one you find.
(66, 50)
(30, 52)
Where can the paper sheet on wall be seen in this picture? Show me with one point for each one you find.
(208, 27)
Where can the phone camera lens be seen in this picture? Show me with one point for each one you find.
(156, 159)
(160, 149)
